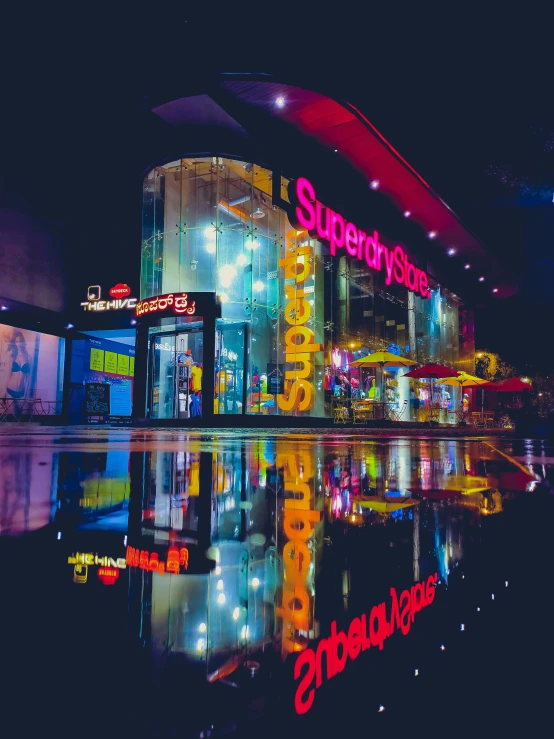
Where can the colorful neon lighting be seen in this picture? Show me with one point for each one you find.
(299, 340)
(150, 561)
(88, 558)
(121, 290)
(299, 521)
(108, 575)
(369, 630)
(179, 304)
(327, 225)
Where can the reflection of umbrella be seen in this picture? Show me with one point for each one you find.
(383, 359)
(512, 385)
(268, 404)
(384, 506)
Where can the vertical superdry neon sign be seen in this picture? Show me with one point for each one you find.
(307, 212)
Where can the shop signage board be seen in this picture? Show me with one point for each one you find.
(275, 379)
(97, 399)
(176, 304)
(307, 212)
(119, 298)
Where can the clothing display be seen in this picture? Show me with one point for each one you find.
(196, 380)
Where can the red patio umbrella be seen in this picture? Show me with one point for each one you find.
(512, 385)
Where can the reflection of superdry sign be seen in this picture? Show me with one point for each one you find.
(369, 630)
(179, 304)
(307, 212)
(119, 293)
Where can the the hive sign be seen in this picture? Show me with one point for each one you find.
(322, 223)
(118, 293)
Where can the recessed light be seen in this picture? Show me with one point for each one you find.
(495, 289)
(280, 101)
(407, 213)
(467, 266)
(4, 307)
(336, 151)
(374, 184)
(432, 235)
(481, 279)
(70, 325)
(451, 251)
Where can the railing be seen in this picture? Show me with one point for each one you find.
(16, 409)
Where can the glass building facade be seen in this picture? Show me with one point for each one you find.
(293, 317)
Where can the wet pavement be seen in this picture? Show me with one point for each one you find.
(162, 583)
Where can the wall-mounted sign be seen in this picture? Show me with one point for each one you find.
(177, 559)
(120, 290)
(108, 575)
(108, 571)
(179, 304)
(120, 294)
(307, 212)
(369, 630)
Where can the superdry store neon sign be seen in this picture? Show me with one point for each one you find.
(364, 632)
(326, 225)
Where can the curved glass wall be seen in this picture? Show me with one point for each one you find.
(293, 317)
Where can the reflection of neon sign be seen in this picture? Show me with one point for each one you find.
(94, 559)
(300, 346)
(179, 304)
(150, 561)
(299, 526)
(364, 632)
(326, 225)
(336, 357)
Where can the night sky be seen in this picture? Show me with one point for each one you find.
(466, 99)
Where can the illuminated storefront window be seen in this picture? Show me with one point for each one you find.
(295, 311)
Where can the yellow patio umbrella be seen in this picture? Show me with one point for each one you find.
(383, 359)
(466, 380)
(384, 506)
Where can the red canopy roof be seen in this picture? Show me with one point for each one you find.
(512, 385)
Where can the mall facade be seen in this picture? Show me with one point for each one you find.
(283, 238)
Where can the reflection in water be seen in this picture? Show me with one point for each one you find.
(231, 561)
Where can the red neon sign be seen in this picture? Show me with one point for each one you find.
(364, 632)
(179, 304)
(121, 290)
(108, 575)
(327, 225)
(150, 561)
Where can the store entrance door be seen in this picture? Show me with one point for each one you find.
(176, 359)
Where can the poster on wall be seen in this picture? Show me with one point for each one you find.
(31, 368)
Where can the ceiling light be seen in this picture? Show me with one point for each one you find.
(251, 243)
(133, 322)
(451, 251)
(481, 279)
(221, 599)
(407, 213)
(236, 614)
(71, 325)
(336, 151)
(209, 232)
(258, 286)
(223, 298)
(4, 307)
(374, 184)
(467, 266)
(202, 628)
(258, 213)
(210, 247)
(280, 101)
(255, 583)
(495, 289)
(227, 273)
(200, 645)
(242, 259)
(431, 235)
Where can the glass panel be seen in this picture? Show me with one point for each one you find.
(229, 368)
(162, 363)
